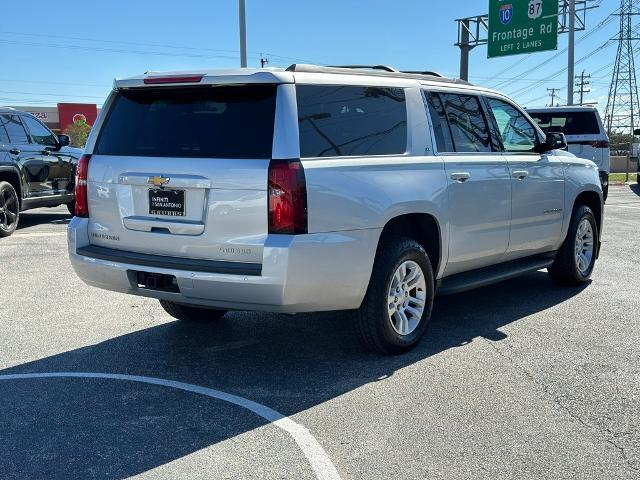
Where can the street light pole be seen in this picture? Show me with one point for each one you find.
(243, 34)
(571, 53)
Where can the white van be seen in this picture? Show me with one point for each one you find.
(585, 133)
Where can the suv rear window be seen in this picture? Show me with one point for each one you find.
(569, 123)
(338, 121)
(208, 122)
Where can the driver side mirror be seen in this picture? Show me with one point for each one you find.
(555, 141)
(63, 140)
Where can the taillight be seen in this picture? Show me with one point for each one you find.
(287, 197)
(82, 202)
(600, 144)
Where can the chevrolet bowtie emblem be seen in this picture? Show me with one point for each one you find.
(158, 181)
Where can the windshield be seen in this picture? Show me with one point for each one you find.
(209, 122)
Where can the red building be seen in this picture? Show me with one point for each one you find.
(60, 117)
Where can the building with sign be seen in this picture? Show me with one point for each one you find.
(58, 118)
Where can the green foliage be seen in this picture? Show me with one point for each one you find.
(78, 133)
(619, 143)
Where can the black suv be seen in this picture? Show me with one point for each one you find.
(37, 167)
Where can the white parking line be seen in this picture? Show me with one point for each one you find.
(39, 234)
(317, 457)
(633, 207)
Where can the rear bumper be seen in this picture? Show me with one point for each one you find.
(299, 273)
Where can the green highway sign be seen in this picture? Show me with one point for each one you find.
(522, 26)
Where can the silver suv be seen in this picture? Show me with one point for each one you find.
(319, 189)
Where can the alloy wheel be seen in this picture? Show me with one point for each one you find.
(407, 297)
(8, 209)
(584, 246)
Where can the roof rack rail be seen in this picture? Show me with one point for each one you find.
(425, 72)
(377, 70)
(385, 68)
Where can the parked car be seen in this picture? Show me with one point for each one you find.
(585, 133)
(37, 167)
(320, 189)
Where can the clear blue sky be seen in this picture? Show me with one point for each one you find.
(72, 50)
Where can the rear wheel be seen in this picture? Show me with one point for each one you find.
(577, 256)
(397, 306)
(72, 207)
(189, 313)
(9, 209)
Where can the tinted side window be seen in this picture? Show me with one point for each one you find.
(518, 135)
(348, 121)
(468, 125)
(15, 129)
(203, 122)
(39, 133)
(4, 138)
(569, 123)
(441, 130)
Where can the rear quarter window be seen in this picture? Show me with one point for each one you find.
(569, 123)
(336, 120)
(205, 121)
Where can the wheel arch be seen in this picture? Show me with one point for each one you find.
(12, 176)
(593, 200)
(423, 227)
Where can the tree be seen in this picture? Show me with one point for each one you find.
(78, 132)
(620, 143)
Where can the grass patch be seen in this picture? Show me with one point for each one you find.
(620, 177)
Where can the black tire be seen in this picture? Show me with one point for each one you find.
(371, 321)
(564, 270)
(72, 207)
(9, 209)
(605, 192)
(189, 313)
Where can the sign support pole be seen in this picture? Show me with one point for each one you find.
(571, 51)
(465, 48)
(243, 34)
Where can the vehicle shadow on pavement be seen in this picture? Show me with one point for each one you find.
(635, 188)
(32, 219)
(87, 428)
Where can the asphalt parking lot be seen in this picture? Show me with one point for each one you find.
(520, 380)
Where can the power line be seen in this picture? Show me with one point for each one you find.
(156, 45)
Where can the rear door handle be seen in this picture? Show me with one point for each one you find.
(520, 174)
(460, 177)
(14, 151)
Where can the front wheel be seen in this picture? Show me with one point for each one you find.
(577, 256)
(9, 209)
(397, 306)
(189, 313)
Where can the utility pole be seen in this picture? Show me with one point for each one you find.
(553, 92)
(263, 61)
(582, 82)
(623, 105)
(571, 50)
(243, 34)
